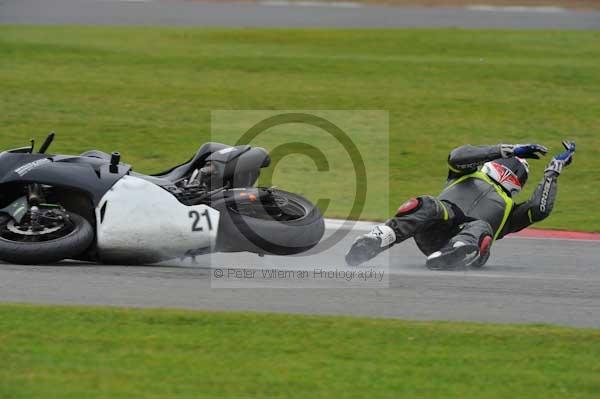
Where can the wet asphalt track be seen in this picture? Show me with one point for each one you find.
(526, 281)
(226, 14)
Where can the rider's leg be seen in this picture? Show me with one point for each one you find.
(470, 247)
(413, 216)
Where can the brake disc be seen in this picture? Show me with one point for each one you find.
(14, 228)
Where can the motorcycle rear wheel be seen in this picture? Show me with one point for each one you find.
(287, 225)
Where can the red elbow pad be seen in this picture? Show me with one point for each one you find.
(409, 207)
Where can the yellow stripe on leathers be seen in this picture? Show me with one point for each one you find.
(509, 202)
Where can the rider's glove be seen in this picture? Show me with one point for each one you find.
(563, 159)
(531, 151)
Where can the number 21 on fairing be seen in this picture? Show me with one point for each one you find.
(196, 220)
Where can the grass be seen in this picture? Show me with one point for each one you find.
(148, 93)
(75, 352)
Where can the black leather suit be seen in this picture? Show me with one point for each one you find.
(471, 205)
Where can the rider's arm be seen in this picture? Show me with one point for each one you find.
(540, 205)
(467, 158)
(537, 208)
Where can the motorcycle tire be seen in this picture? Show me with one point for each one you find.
(240, 232)
(75, 242)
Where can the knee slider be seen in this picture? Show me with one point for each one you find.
(410, 206)
(485, 243)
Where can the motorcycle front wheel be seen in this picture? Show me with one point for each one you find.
(66, 239)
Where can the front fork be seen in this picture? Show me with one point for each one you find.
(19, 208)
(35, 196)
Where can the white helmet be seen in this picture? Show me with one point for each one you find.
(510, 173)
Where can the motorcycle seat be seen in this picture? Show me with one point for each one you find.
(179, 171)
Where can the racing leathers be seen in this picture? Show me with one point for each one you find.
(459, 226)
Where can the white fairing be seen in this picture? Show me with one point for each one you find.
(143, 223)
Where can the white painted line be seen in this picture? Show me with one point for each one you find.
(542, 10)
(335, 224)
(331, 4)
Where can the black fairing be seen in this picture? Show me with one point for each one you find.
(90, 175)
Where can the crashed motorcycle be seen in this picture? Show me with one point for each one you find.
(94, 207)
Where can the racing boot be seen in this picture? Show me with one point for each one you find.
(452, 256)
(369, 245)
(460, 254)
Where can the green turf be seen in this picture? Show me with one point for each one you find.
(148, 92)
(61, 352)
